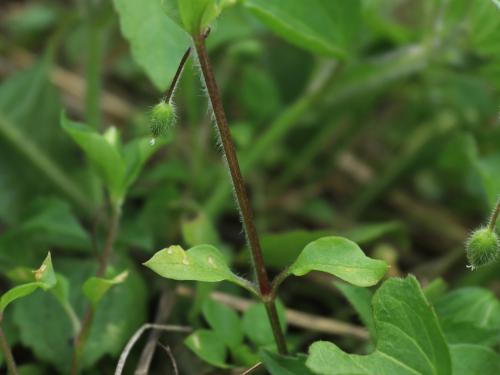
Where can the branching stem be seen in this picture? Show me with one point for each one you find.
(239, 189)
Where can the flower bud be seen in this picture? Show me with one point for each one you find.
(483, 247)
(162, 118)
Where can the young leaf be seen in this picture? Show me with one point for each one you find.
(256, 324)
(280, 365)
(96, 287)
(45, 279)
(208, 346)
(117, 165)
(224, 321)
(339, 257)
(197, 14)
(156, 41)
(328, 27)
(200, 263)
(103, 155)
(409, 341)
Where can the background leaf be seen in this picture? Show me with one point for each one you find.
(256, 324)
(224, 321)
(158, 44)
(208, 346)
(328, 27)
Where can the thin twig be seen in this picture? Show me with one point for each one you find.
(295, 318)
(251, 369)
(171, 356)
(164, 309)
(137, 335)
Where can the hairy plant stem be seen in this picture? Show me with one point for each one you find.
(7, 352)
(239, 190)
(88, 318)
(494, 217)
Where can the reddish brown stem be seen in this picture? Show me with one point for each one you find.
(239, 189)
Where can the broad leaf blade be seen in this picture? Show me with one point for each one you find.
(410, 340)
(200, 263)
(156, 41)
(328, 27)
(339, 257)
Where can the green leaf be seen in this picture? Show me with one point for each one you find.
(485, 27)
(44, 277)
(361, 299)
(281, 365)
(326, 27)
(409, 340)
(256, 324)
(197, 14)
(156, 41)
(96, 287)
(199, 263)
(474, 359)
(340, 257)
(53, 221)
(224, 321)
(208, 346)
(17, 292)
(102, 154)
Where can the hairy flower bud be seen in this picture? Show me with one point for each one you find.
(483, 247)
(162, 118)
